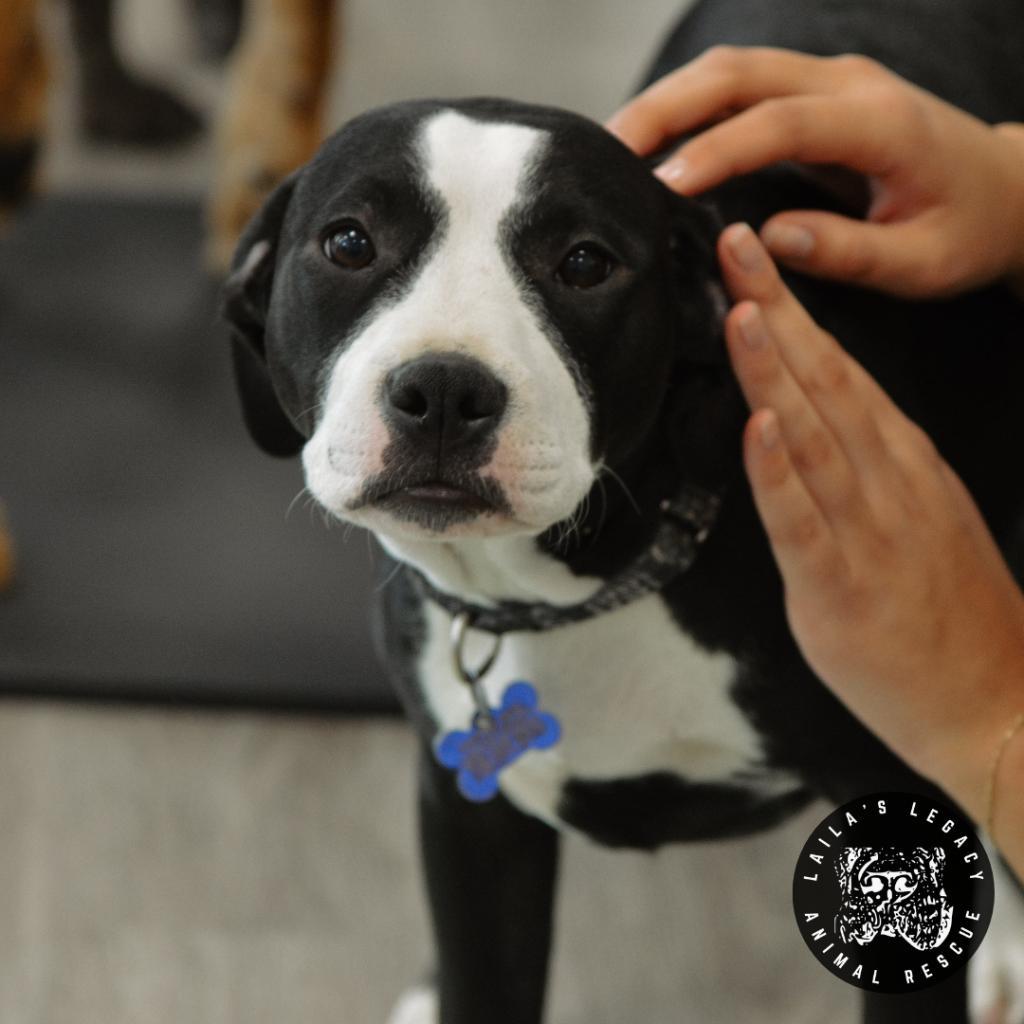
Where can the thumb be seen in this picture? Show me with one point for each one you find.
(883, 256)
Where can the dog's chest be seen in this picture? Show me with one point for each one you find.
(634, 696)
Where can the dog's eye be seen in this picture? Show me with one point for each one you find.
(586, 266)
(349, 246)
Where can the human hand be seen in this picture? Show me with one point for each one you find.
(947, 210)
(895, 591)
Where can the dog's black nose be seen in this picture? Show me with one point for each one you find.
(447, 398)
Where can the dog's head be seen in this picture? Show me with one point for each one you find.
(463, 312)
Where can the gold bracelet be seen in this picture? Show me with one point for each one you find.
(997, 760)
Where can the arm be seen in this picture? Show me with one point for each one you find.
(948, 189)
(928, 652)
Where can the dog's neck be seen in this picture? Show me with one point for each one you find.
(488, 570)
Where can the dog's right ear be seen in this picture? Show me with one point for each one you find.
(246, 300)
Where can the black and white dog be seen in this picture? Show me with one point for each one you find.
(496, 339)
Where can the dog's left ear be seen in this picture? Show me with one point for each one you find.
(706, 406)
(245, 304)
(700, 294)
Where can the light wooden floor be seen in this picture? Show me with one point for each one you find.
(165, 867)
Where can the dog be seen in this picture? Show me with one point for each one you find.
(24, 81)
(496, 340)
(116, 105)
(269, 123)
(271, 120)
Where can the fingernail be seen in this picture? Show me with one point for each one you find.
(752, 328)
(789, 240)
(614, 125)
(672, 173)
(745, 248)
(769, 432)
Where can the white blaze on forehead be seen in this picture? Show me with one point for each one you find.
(478, 168)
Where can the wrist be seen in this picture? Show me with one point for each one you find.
(1013, 136)
(961, 757)
(1004, 810)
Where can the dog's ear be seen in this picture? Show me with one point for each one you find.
(700, 295)
(706, 409)
(245, 303)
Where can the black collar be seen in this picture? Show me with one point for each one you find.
(686, 520)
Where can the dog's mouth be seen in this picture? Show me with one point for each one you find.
(438, 491)
(435, 495)
(434, 502)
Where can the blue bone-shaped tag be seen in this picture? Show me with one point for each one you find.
(481, 752)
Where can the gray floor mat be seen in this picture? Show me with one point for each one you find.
(157, 555)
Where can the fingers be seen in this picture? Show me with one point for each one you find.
(929, 232)
(846, 397)
(862, 462)
(836, 390)
(812, 448)
(827, 129)
(804, 546)
(887, 256)
(888, 451)
(722, 80)
(835, 467)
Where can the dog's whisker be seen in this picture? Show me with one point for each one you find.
(387, 579)
(604, 506)
(303, 493)
(571, 528)
(605, 468)
(316, 408)
(313, 509)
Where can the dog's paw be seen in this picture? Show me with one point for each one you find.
(995, 975)
(417, 1006)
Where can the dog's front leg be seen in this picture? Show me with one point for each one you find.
(944, 1003)
(490, 873)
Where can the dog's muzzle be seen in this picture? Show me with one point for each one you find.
(442, 412)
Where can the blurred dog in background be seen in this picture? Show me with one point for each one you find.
(269, 123)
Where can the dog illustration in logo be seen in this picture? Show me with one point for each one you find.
(890, 891)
